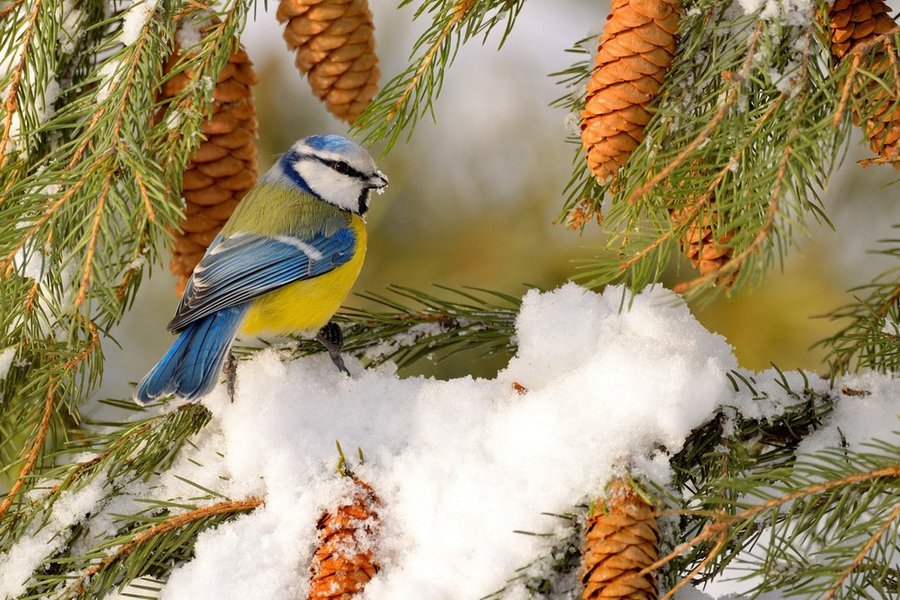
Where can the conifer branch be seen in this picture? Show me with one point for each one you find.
(34, 453)
(406, 325)
(411, 94)
(11, 102)
(870, 334)
(40, 436)
(721, 525)
(219, 509)
(92, 241)
(732, 148)
(735, 84)
(12, 6)
(857, 560)
(685, 580)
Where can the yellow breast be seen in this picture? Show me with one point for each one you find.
(305, 306)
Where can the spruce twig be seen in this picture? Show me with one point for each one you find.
(405, 325)
(220, 509)
(411, 94)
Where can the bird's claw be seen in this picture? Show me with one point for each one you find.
(230, 371)
(332, 338)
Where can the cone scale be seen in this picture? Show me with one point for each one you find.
(334, 42)
(223, 168)
(621, 539)
(344, 560)
(854, 22)
(635, 52)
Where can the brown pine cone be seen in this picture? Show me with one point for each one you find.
(621, 539)
(344, 561)
(223, 169)
(707, 253)
(335, 43)
(853, 22)
(635, 52)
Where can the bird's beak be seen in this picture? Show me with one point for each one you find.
(378, 181)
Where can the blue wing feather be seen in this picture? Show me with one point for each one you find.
(243, 266)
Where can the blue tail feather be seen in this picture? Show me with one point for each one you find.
(190, 368)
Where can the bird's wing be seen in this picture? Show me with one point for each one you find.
(243, 266)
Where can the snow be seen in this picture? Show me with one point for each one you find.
(791, 12)
(6, 360)
(461, 464)
(71, 27)
(108, 76)
(188, 33)
(29, 261)
(17, 566)
(869, 411)
(135, 20)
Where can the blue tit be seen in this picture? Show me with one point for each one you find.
(282, 264)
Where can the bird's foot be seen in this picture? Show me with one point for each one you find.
(229, 369)
(332, 338)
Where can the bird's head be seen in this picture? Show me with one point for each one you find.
(333, 169)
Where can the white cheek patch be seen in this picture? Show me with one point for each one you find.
(329, 185)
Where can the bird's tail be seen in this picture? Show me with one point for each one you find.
(191, 366)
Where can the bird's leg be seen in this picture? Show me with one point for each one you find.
(229, 369)
(332, 338)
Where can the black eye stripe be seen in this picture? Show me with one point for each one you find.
(345, 169)
(341, 167)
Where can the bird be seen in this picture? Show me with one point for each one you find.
(282, 264)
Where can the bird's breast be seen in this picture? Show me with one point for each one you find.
(306, 305)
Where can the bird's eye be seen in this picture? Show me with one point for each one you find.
(341, 167)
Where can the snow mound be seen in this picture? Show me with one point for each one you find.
(460, 465)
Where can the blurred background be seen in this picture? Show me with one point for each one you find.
(473, 196)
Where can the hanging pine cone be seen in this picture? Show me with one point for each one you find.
(853, 22)
(335, 45)
(708, 254)
(223, 169)
(344, 560)
(621, 540)
(635, 52)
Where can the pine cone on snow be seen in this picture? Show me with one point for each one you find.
(635, 52)
(621, 539)
(335, 45)
(223, 169)
(344, 561)
(853, 22)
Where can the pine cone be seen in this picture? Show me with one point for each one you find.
(853, 22)
(335, 45)
(635, 52)
(344, 561)
(223, 169)
(620, 541)
(699, 243)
